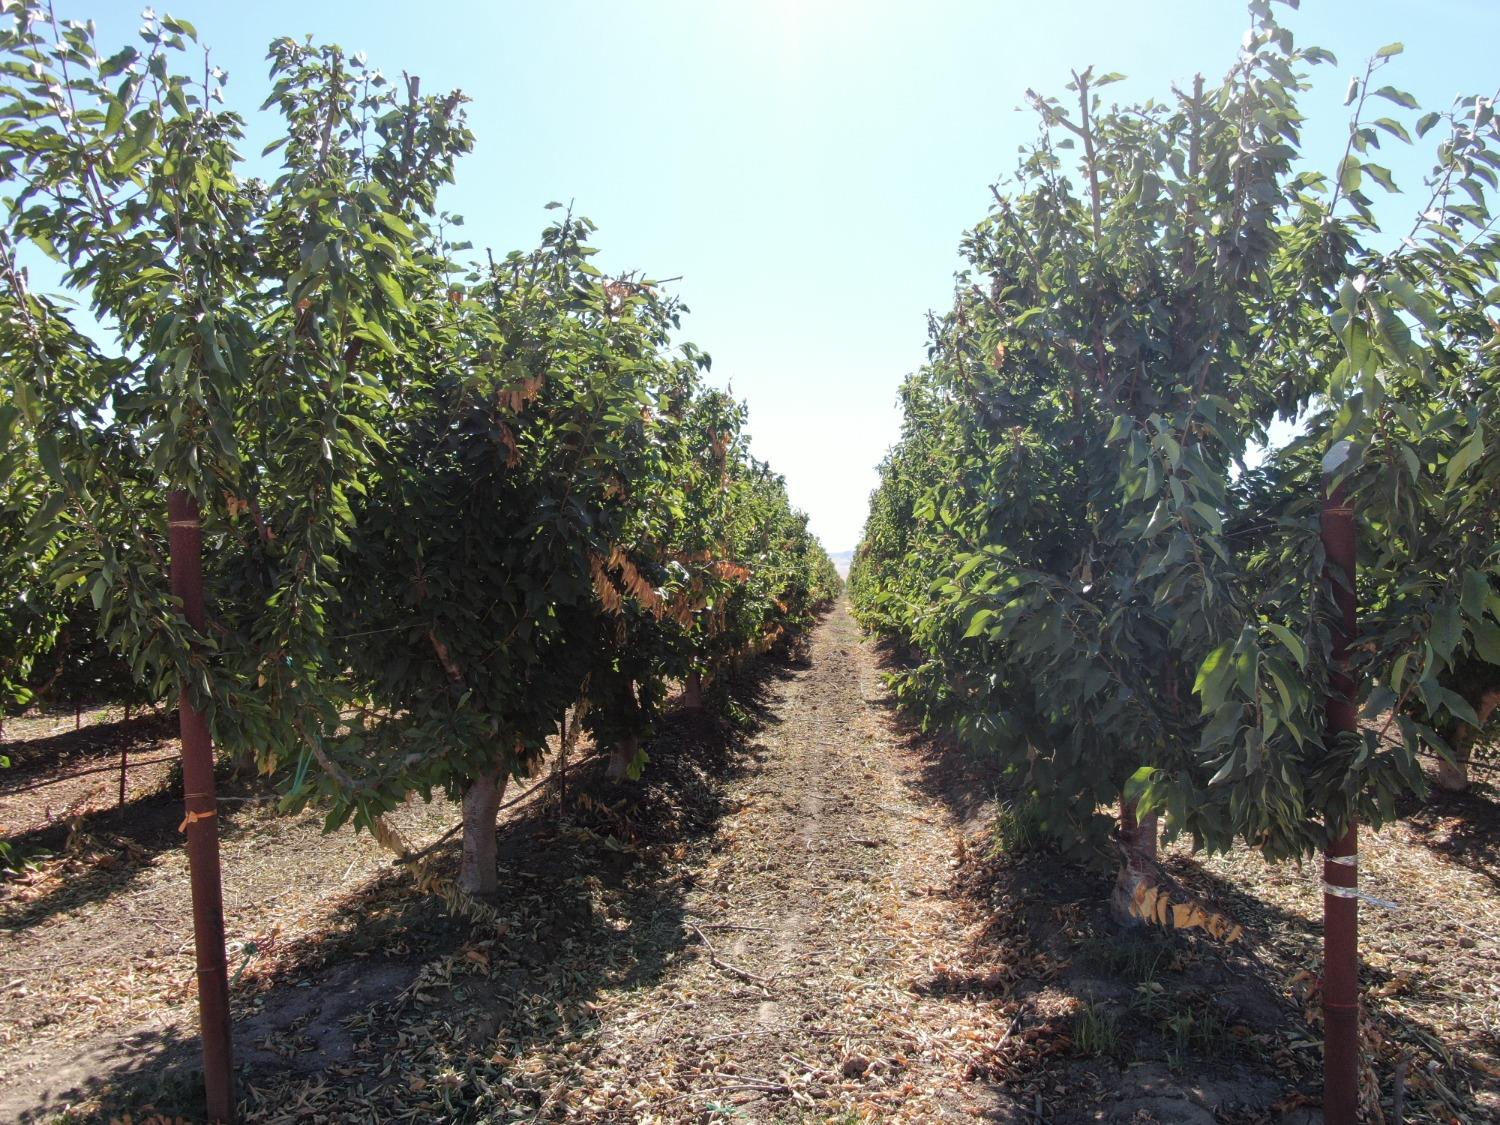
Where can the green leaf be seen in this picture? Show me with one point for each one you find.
(1458, 706)
(1138, 782)
(1477, 593)
(1349, 173)
(47, 453)
(1486, 641)
(1468, 453)
(1398, 672)
(1211, 517)
(1213, 681)
(114, 117)
(1388, 50)
(1291, 642)
(1412, 300)
(1400, 97)
(1447, 630)
(391, 288)
(978, 622)
(1381, 176)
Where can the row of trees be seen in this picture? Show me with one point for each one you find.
(1098, 537)
(443, 502)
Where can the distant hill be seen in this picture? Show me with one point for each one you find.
(841, 560)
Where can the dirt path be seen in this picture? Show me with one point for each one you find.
(780, 926)
(817, 982)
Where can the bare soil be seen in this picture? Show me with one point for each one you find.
(805, 913)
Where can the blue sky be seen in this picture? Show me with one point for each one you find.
(808, 168)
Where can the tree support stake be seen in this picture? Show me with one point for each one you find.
(200, 822)
(1341, 856)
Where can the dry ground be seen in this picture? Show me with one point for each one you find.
(799, 915)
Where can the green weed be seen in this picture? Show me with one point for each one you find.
(1096, 1031)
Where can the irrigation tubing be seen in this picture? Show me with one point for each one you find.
(1482, 767)
(113, 768)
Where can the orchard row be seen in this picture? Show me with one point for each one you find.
(445, 503)
(1098, 538)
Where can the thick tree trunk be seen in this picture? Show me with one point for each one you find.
(1138, 844)
(692, 692)
(1454, 776)
(477, 873)
(621, 756)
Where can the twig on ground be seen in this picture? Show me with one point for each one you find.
(719, 963)
(734, 926)
(1011, 1030)
(559, 1087)
(749, 1084)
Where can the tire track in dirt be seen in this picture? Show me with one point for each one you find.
(829, 883)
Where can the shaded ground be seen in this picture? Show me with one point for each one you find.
(1430, 966)
(58, 772)
(806, 913)
(97, 967)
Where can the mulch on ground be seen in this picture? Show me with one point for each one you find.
(1174, 1026)
(807, 912)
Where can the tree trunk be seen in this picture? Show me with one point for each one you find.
(1454, 776)
(621, 756)
(477, 873)
(692, 692)
(1138, 844)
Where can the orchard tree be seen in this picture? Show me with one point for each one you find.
(1118, 611)
(32, 616)
(903, 545)
(255, 323)
(1115, 349)
(518, 446)
(1417, 394)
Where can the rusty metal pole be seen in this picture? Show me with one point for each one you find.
(202, 825)
(1340, 858)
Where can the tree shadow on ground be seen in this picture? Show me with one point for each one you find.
(950, 774)
(1107, 1023)
(1110, 1023)
(134, 832)
(1170, 1023)
(1455, 1066)
(32, 757)
(1463, 828)
(118, 843)
(406, 1009)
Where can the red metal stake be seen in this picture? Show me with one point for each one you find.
(124, 757)
(1340, 911)
(201, 822)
